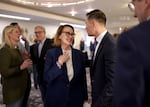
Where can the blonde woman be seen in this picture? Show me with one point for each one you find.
(13, 68)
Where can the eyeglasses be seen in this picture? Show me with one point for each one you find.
(38, 32)
(68, 33)
(131, 4)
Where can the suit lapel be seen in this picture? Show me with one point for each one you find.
(100, 47)
(64, 67)
(36, 51)
(73, 64)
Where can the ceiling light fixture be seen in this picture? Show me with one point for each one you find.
(51, 3)
(14, 17)
(73, 13)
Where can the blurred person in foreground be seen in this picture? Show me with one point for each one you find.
(103, 60)
(132, 76)
(13, 68)
(65, 72)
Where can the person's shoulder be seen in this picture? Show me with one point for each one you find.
(53, 50)
(49, 39)
(5, 50)
(33, 45)
(5, 47)
(110, 38)
(132, 34)
(146, 23)
(77, 51)
(141, 27)
(108, 35)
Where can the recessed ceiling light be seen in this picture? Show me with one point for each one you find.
(73, 13)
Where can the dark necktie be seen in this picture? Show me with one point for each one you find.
(94, 47)
(95, 43)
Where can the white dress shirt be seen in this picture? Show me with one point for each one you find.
(41, 46)
(99, 39)
(69, 65)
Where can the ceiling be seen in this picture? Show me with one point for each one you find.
(117, 12)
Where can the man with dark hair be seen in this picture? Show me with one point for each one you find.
(103, 64)
(132, 76)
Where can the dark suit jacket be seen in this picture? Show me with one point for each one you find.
(59, 90)
(34, 53)
(102, 72)
(132, 79)
(39, 61)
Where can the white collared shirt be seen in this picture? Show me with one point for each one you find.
(69, 65)
(41, 46)
(99, 39)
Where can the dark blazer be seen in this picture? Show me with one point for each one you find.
(34, 53)
(39, 61)
(132, 77)
(102, 72)
(60, 91)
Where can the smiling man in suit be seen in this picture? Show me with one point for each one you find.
(132, 77)
(38, 57)
(103, 64)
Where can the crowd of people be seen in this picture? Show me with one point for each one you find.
(119, 70)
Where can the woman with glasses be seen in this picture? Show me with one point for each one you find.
(64, 72)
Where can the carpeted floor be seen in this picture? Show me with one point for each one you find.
(35, 97)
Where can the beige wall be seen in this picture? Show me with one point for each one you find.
(50, 30)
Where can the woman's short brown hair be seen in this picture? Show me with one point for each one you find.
(59, 32)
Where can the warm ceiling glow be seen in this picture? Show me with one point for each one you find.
(73, 13)
(51, 3)
(14, 17)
